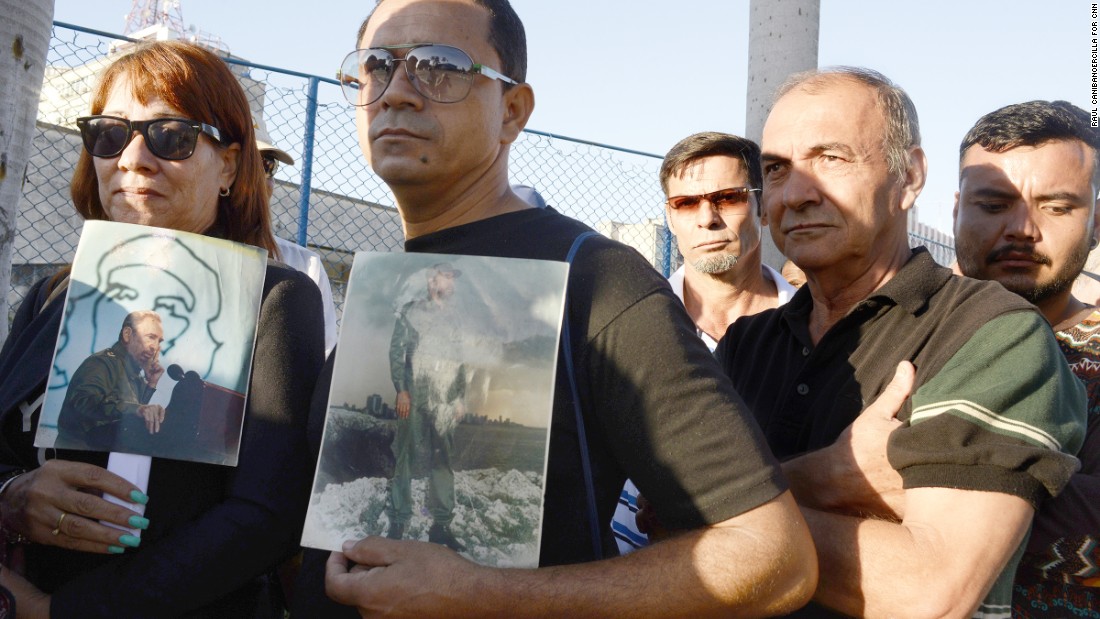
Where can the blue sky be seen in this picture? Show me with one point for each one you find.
(640, 74)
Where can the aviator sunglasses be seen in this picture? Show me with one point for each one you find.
(172, 139)
(441, 73)
(732, 199)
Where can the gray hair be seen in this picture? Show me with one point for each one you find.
(902, 126)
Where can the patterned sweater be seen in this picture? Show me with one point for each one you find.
(1059, 575)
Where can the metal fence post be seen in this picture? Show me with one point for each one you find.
(307, 160)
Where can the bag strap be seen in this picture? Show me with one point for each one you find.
(56, 288)
(582, 439)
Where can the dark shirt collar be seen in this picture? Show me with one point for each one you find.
(500, 226)
(917, 281)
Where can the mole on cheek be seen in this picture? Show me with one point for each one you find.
(423, 159)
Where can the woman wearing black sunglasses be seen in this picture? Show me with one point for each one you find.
(169, 143)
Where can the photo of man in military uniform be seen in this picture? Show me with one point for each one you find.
(428, 373)
(108, 395)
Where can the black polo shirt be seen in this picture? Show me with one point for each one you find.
(994, 408)
(803, 396)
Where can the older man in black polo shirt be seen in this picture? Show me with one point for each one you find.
(995, 416)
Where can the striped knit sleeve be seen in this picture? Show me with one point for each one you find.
(1005, 414)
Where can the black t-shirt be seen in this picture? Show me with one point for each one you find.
(656, 405)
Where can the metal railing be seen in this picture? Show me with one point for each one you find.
(330, 200)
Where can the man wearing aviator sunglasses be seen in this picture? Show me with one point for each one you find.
(441, 73)
(712, 182)
(439, 136)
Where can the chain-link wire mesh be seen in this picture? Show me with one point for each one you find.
(944, 253)
(330, 200)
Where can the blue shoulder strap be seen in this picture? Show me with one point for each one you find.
(582, 439)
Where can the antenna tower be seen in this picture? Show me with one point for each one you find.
(146, 13)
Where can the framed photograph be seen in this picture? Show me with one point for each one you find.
(155, 348)
(439, 413)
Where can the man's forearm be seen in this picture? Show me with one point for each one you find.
(146, 394)
(690, 575)
(811, 481)
(818, 482)
(92, 404)
(941, 561)
(758, 564)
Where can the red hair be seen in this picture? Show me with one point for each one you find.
(200, 85)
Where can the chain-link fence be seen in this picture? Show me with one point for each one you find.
(329, 200)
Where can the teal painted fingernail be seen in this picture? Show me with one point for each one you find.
(138, 522)
(129, 540)
(116, 550)
(137, 496)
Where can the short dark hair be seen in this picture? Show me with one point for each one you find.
(506, 35)
(898, 110)
(1033, 123)
(712, 144)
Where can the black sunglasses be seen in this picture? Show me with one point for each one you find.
(732, 199)
(441, 73)
(173, 139)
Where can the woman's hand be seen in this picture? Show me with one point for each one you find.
(30, 602)
(60, 504)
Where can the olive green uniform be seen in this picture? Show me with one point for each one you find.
(105, 390)
(426, 362)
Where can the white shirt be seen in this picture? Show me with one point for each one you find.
(786, 291)
(307, 261)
